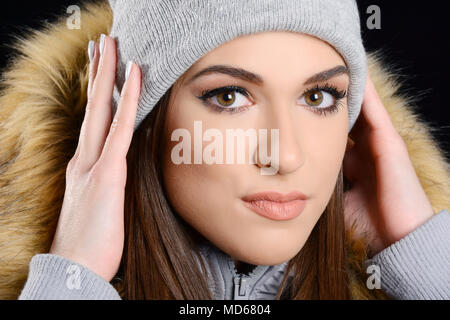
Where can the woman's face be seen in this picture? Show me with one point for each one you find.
(306, 157)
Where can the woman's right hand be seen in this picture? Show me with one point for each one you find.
(90, 229)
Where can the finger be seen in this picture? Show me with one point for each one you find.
(98, 113)
(121, 132)
(93, 66)
(373, 110)
(93, 53)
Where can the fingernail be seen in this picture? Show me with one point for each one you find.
(91, 50)
(127, 73)
(102, 43)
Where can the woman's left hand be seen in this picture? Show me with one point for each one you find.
(386, 200)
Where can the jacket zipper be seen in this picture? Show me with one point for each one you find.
(241, 291)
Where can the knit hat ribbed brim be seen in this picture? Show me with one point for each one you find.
(166, 37)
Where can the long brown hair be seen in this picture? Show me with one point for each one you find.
(159, 260)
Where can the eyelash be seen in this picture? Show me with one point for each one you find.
(333, 90)
(211, 93)
(338, 96)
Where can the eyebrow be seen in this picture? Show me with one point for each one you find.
(258, 80)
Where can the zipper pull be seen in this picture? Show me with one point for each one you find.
(240, 288)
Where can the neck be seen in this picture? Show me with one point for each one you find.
(243, 267)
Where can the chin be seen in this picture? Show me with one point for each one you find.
(266, 254)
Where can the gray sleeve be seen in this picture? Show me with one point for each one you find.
(52, 277)
(418, 265)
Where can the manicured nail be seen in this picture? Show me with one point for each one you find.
(127, 73)
(91, 50)
(102, 43)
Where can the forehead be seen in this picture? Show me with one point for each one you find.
(271, 51)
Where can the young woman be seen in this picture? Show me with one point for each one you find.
(149, 204)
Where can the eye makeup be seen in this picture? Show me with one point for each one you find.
(337, 95)
(327, 88)
(208, 94)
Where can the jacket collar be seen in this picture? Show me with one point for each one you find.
(226, 283)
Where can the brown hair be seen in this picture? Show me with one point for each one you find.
(159, 260)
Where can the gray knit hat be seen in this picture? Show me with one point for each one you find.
(166, 37)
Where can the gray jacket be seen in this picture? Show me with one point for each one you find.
(415, 267)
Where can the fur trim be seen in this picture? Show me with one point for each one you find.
(41, 110)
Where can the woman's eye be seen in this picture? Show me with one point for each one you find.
(229, 99)
(318, 99)
(236, 99)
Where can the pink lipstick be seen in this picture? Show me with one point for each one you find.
(276, 206)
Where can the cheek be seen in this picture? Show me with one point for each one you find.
(205, 197)
(199, 193)
(201, 186)
(326, 153)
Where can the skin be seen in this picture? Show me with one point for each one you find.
(312, 148)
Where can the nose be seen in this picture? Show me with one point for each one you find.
(286, 153)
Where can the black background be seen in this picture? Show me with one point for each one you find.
(413, 38)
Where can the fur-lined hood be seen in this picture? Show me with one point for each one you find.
(41, 110)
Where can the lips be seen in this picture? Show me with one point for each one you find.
(276, 206)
